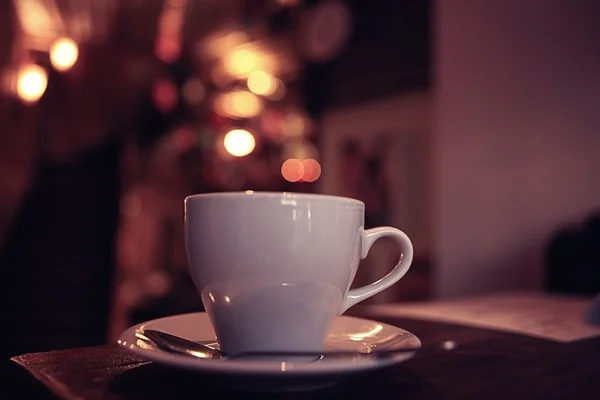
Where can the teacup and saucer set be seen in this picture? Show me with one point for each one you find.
(274, 272)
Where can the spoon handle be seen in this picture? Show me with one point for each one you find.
(175, 344)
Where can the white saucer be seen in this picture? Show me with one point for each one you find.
(347, 333)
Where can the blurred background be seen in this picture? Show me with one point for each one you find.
(472, 126)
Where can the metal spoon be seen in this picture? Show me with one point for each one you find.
(179, 345)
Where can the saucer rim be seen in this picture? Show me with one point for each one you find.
(262, 368)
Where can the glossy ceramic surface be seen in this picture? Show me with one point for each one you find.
(274, 269)
(346, 333)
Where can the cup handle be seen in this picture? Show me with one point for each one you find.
(369, 237)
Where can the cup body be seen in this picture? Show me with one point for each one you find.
(272, 268)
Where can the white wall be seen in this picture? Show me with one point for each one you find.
(517, 137)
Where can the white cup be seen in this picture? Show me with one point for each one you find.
(274, 269)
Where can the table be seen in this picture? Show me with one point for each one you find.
(488, 365)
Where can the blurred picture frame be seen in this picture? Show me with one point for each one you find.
(379, 152)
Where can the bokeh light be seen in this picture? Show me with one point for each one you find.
(295, 170)
(239, 142)
(193, 91)
(294, 125)
(292, 170)
(167, 49)
(63, 54)
(299, 149)
(164, 95)
(242, 62)
(270, 124)
(32, 81)
(261, 83)
(219, 44)
(311, 169)
(238, 104)
(184, 139)
(278, 92)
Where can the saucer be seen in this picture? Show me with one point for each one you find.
(346, 334)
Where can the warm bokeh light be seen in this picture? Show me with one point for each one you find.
(261, 83)
(193, 91)
(242, 62)
(294, 125)
(219, 77)
(311, 169)
(32, 81)
(295, 170)
(299, 149)
(63, 54)
(164, 95)
(238, 104)
(278, 92)
(37, 19)
(184, 139)
(219, 44)
(270, 124)
(169, 36)
(292, 170)
(239, 142)
(167, 49)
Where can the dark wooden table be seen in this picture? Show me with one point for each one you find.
(488, 365)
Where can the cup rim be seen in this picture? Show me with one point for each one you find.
(267, 194)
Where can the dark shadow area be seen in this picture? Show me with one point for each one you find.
(156, 382)
(572, 258)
